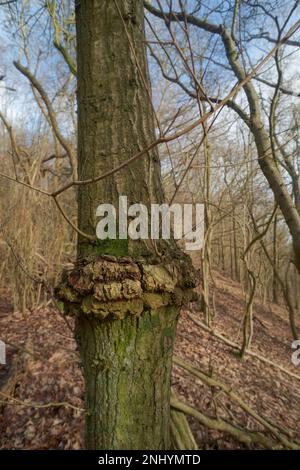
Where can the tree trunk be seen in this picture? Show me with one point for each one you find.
(127, 373)
(126, 306)
(275, 287)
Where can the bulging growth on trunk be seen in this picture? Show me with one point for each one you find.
(125, 294)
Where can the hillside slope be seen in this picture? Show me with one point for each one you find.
(43, 369)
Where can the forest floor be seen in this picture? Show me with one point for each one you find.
(43, 372)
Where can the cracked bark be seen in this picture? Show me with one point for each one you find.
(127, 350)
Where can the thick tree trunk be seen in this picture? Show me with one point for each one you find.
(126, 306)
(127, 371)
(115, 117)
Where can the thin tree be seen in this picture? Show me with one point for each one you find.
(253, 119)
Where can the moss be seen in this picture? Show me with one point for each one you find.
(116, 310)
(167, 339)
(66, 293)
(61, 306)
(154, 300)
(120, 310)
(151, 320)
(138, 249)
(117, 248)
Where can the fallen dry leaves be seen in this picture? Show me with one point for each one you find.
(53, 374)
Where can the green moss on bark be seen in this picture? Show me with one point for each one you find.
(127, 364)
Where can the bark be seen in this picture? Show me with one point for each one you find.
(126, 305)
(114, 111)
(279, 188)
(127, 369)
(206, 250)
(275, 293)
(264, 149)
(248, 317)
(181, 435)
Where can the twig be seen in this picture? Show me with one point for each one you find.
(39, 405)
(236, 346)
(214, 382)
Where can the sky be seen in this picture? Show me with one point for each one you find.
(20, 107)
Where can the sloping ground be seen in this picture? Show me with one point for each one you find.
(272, 393)
(49, 374)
